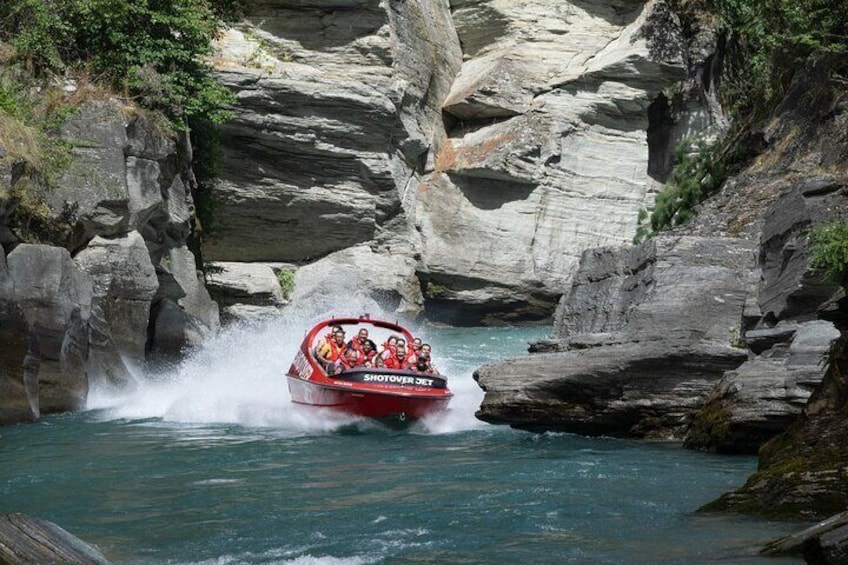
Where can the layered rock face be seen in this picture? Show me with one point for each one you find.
(337, 103)
(122, 208)
(547, 151)
(358, 124)
(802, 471)
(640, 341)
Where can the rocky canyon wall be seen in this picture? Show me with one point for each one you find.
(454, 159)
(113, 282)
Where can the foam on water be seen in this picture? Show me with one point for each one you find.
(238, 377)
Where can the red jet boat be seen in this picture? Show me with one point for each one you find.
(387, 394)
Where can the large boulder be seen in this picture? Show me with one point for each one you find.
(184, 313)
(753, 403)
(54, 297)
(640, 341)
(124, 285)
(359, 280)
(247, 291)
(802, 472)
(19, 357)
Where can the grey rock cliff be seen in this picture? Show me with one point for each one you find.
(640, 341)
(123, 208)
(54, 299)
(360, 124)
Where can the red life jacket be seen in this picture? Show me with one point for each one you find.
(336, 351)
(348, 363)
(411, 356)
(394, 363)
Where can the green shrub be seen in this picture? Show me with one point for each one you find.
(829, 250)
(150, 49)
(768, 41)
(286, 279)
(694, 177)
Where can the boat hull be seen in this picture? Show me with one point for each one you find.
(381, 405)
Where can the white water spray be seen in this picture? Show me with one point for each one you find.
(238, 377)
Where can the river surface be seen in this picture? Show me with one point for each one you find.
(210, 463)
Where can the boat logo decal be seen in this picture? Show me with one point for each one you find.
(302, 366)
(398, 379)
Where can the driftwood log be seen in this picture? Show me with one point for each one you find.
(27, 539)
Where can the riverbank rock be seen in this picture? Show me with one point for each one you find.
(122, 205)
(245, 291)
(26, 539)
(54, 298)
(758, 400)
(797, 184)
(19, 357)
(825, 543)
(802, 472)
(359, 280)
(643, 336)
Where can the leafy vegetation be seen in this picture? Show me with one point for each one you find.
(766, 43)
(149, 49)
(695, 176)
(286, 279)
(829, 250)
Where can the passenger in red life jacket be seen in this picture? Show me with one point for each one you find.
(387, 351)
(398, 360)
(414, 350)
(324, 343)
(331, 351)
(368, 354)
(348, 361)
(360, 340)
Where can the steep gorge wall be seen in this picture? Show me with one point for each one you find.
(452, 158)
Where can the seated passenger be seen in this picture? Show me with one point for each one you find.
(387, 351)
(368, 354)
(414, 350)
(427, 350)
(359, 340)
(329, 351)
(422, 364)
(348, 361)
(396, 361)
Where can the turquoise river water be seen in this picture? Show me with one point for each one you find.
(210, 463)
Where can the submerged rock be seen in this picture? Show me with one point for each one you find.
(823, 544)
(26, 539)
